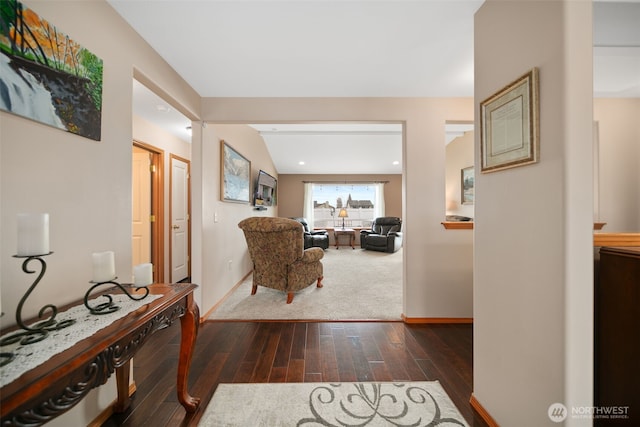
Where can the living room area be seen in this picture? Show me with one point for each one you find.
(523, 274)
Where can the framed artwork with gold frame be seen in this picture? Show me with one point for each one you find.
(509, 125)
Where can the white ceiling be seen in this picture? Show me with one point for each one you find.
(347, 48)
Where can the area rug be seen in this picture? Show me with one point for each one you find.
(331, 404)
(358, 285)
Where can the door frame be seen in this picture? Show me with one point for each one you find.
(157, 209)
(188, 163)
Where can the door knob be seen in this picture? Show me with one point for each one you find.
(175, 227)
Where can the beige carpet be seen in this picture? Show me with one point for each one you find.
(358, 285)
(422, 403)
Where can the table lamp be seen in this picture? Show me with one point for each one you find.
(343, 214)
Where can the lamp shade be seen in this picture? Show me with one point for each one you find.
(343, 213)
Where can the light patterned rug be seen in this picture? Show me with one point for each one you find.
(358, 285)
(331, 404)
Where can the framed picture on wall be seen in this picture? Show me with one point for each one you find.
(467, 185)
(236, 175)
(509, 125)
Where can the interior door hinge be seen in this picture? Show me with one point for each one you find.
(152, 218)
(152, 168)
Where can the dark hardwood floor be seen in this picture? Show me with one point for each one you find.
(241, 352)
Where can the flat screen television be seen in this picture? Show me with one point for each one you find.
(265, 193)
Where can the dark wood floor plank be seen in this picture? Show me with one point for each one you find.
(283, 351)
(202, 377)
(380, 371)
(278, 374)
(312, 351)
(295, 371)
(265, 361)
(299, 342)
(344, 358)
(328, 359)
(241, 335)
(241, 352)
(359, 359)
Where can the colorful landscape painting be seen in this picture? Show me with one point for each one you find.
(45, 75)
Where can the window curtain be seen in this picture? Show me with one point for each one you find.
(378, 209)
(307, 209)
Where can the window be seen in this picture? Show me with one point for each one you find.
(362, 201)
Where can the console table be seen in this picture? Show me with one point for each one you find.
(57, 385)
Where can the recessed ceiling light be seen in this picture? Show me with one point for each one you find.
(301, 163)
(163, 108)
(395, 162)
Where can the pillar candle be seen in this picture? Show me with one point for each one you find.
(104, 268)
(33, 234)
(143, 275)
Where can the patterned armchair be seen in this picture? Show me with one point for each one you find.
(279, 260)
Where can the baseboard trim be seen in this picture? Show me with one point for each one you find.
(108, 411)
(437, 319)
(223, 299)
(484, 414)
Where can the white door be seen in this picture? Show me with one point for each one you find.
(141, 209)
(179, 219)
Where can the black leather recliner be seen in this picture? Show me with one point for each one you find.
(314, 238)
(384, 236)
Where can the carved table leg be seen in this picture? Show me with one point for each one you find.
(122, 385)
(189, 323)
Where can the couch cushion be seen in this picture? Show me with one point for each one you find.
(377, 240)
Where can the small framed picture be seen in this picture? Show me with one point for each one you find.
(509, 125)
(467, 185)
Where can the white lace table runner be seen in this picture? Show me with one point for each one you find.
(30, 356)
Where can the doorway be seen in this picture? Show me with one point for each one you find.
(147, 239)
(180, 197)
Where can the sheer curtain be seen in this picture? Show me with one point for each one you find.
(307, 209)
(378, 209)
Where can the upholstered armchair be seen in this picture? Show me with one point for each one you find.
(314, 238)
(384, 236)
(279, 259)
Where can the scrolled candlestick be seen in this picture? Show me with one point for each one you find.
(39, 330)
(108, 306)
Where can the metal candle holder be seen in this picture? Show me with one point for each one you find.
(6, 357)
(39, 330)
(108, 306)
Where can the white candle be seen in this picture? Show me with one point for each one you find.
(143, 275)
(104, 267)
(33, 234)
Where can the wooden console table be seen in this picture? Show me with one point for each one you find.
(57, 385)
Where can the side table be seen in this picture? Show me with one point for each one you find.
(337, 232)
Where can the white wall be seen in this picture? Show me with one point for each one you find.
(619, 163)
(83, 184)
(438, 262)
(533, 272)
